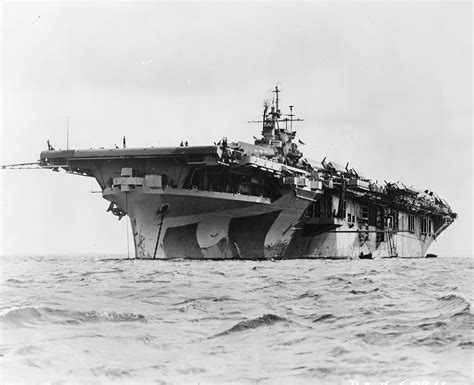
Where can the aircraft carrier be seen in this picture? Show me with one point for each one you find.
(238, 200)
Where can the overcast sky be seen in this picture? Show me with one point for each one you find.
(384, 86)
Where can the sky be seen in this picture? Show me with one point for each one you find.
(384, 86)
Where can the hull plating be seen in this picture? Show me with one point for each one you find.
(199, 225)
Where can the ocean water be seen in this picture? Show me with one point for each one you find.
(110, 320)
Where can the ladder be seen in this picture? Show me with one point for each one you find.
(392, 246)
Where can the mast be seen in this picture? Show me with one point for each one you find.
(265, 108)
(271, 120)
(291, 119)
(276, 110)
(277, 91)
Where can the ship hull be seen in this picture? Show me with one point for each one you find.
(186, 223)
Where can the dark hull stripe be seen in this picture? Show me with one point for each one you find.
(181, 242)
(247, 234)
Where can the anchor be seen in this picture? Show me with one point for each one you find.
(116, 211)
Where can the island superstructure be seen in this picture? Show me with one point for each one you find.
(256, 201)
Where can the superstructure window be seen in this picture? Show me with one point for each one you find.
(425, 225)
(365, 215)
(388, 222)
(411, 223)
(344, 206)
(372, 216)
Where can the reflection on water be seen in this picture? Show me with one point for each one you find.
(101, 320)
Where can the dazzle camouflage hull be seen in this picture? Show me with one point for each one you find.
(256, 201)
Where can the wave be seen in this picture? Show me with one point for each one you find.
(265, 320)
(453, 298)
(206, 298)
(433, 341)
(115, 270)
(433, 325)
(335, 278)
(467, 344)
(364, 291)
(25, 316)
(308, 294)
(13, 280)
(458, 304)
(466, 311)
(377, 338)
(325, 317)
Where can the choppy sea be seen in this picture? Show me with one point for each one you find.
(91, 319)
